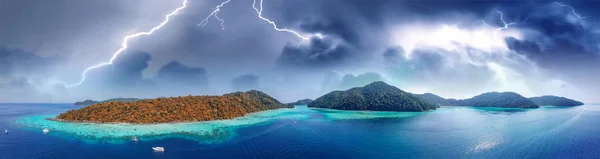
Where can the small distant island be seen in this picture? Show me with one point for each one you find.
(498, 99)
(437, 100)
(549, 100)
(501, 99)
(378, 96)
(175, 109)
(490, 99)
(302, 102)
(90, 102)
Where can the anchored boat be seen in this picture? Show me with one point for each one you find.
(159, 149)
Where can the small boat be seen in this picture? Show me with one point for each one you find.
(46, 131)
(6, 131)
(159, 149)
(134, 138)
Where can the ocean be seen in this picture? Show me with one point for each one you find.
(448, 132)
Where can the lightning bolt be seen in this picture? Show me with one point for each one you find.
(214, 13)
(572, 9)
(124, 45)
(503, 27)
(259, 12)
(334, 71)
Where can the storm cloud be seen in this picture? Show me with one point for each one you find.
(453, 48)
(245, 82)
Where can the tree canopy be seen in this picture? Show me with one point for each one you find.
(375, 96)
(175, 109)
(555, 101)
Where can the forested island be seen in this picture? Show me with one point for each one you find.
(377, 96)
(498, 99)
(302, 102)
(89, 102)
(175, 109)
(555, 101)
(490, 99)
(437, 100)
(501, 99)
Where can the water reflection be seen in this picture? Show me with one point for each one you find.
(507, 111)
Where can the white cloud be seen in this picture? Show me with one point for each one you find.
(462, 62)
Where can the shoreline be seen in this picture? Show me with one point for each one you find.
(173, 122)
(316, 108)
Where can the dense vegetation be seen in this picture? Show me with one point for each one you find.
(302, 102)
(437, 100)
(175, 109)
(498, 99)
(86, 102)
(375, 96)
(89, 102)
(555, 101)
(490, 99)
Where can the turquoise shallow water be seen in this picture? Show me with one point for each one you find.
(449, 132)
(211, 131)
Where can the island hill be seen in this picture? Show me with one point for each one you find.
(549, 100)
(175, 109)
(301, 102)
(377, 96)
(89, 102)
(383, 97)
(501, 99)
(490, 99)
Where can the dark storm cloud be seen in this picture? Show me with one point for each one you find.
(124, 73)
(523, 46)
(556, 35)
(124, 78)
(21, 83)
(428, 60)
(318, 55)
(342, 26)
(65, 26)
(332, 26)
(545, 27)
(23, 74)
(376, 9)
(556, 31)
(563, 44)
(334, 80)
(19, 89)
(176, 78)
(177, 73)
(349, 81)
(429, 68)
(21, 63)
(356, 26)
(393, 55)
(356, 34)
(245, 82)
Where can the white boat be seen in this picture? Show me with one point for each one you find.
(160, 149)
(46, 131)
(6, 131)
(134, 138)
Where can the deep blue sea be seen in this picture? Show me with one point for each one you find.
(449, 132)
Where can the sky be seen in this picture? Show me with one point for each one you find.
(296, 49)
